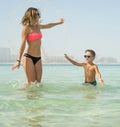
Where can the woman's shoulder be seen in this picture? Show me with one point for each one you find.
(26, 29)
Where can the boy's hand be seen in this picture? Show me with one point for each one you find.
(65, 55)
(102, 82)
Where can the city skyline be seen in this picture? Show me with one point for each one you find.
(7, 57)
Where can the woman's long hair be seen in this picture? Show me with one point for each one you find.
(30, 16)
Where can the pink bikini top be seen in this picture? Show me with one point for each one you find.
(34, 36)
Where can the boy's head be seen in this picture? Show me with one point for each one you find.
(91, 52)
(89, 55)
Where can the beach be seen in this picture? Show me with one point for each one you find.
(61, 100)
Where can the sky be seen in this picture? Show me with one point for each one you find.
(88, 24)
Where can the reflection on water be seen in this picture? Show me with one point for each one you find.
(89, 96)
(33, 116)
(62, 101)
(34, 92)
(53, 105)
(90, 91)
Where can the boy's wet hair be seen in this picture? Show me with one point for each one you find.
(91, 51)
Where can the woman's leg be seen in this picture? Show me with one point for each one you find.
(38, 69)
(29, 69)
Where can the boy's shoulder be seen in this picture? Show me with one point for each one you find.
(93, 65)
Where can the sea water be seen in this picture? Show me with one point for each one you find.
(61, 100)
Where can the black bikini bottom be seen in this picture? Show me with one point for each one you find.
(34, 59)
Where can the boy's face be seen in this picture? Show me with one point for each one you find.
(89, 57)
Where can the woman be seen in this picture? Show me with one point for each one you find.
(31, 34)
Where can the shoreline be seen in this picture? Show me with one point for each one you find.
(104, 64)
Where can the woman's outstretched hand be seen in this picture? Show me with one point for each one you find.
(61, 20)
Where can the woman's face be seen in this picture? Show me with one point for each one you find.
(36, 17)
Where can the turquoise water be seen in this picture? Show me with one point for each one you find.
(62, 100)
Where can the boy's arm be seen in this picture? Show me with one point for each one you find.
(72, 61)
(99, 75)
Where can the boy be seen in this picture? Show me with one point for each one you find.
(90, 69)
